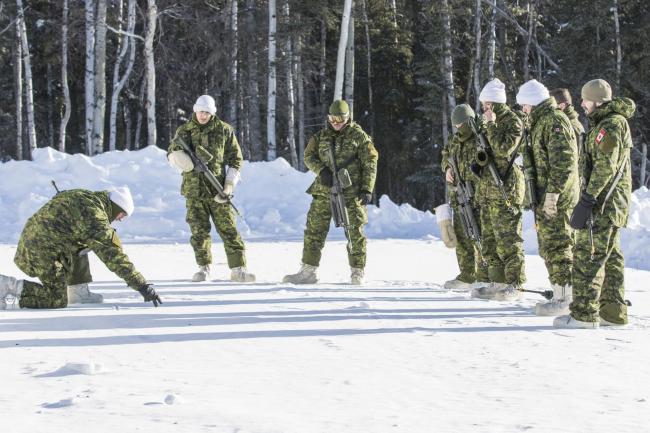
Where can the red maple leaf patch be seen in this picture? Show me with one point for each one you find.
(601, 134)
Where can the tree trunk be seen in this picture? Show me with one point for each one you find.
(126, 43)
(349, 64)
(50, 108)
(100, 78)
(445, 120)
(644, 161)
(368, 67)
(255, 127)
(29, 88)
(271, 153)
(234, 49)
(617, 33)
(18, 91)
(492, 40)
(288, 67)
(531, 21)
(89, 82)
(322, 66)
(152, 15)
(67, 103)
(126, 115)
(343, 41)
(138, 122)
(301, 103)
(477, 56)
(447, 58)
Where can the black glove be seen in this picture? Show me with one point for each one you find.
(475, 168)
(149, 294)
(325, 177)
(365, 197)
(582, 211)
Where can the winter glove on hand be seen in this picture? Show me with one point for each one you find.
(227, 193)
(365, 197)
(549, 209)
(582, 211)
(181, 160)
(475, 168)
(443, 216)
(203, 154)
(325, 177)
(149, 294)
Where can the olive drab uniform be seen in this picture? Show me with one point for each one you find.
(598, 282)
(555, 158)
(572, 114)
(354, 151)
(215, 144)
(54, 243)
(462, 147)
(501, 220)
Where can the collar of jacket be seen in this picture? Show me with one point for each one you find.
(622, 106)
(499, 108)
(571, 112)
(541, 109)
(464, 133)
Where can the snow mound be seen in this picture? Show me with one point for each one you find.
(271, 198)
(72, 368)
(66, 402)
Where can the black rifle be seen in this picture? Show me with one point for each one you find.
(201, 167)
(337, 200)
(464, 195)
(586, 166)
(484, 157)
(530, 175)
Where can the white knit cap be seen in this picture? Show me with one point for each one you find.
(493, 91)
(121, 196)
(532, 93)
(205, 103)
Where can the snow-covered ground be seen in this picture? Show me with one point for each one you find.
(397, 355)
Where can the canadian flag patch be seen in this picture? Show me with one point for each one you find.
(601, 135)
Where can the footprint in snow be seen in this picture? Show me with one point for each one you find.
(66, 402)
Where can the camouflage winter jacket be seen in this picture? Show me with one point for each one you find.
(504, 136)
(571, 113)
(555, 154)
(216, 144)
(73, 221)
(607, 149)
(353, 150)
(462, 147)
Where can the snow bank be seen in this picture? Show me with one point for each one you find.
(271, 198)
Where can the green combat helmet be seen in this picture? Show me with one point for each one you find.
(339, 112)
(461, 114)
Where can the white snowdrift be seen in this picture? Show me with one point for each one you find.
(271, 198)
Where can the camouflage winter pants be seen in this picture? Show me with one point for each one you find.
(555, 238)
(598, 284)
(55, 279)
(467, 254)
(318, 225)
(199, 212)
(503, 245)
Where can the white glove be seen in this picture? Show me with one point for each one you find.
(233, 176)
(549, 209)
(227, 193)
(444, 218)
(182, 160)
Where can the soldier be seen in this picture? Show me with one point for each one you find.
(555, 164)
(214, 142)
(501, 218)
(55, 242)
(354, 152)
(598, 263)
(565, 103)
(462, 147)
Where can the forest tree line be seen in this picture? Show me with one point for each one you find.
(96, 75)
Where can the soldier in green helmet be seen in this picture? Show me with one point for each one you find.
(215, 143)
(355, 154)
(461, 146)
(601, 212)
(54, 247)
(555, 164)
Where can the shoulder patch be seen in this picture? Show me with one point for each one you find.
(601, 136)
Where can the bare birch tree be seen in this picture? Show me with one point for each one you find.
(343, 41)
(447, 58)
(492, 39)
(366, 27)
(18, 91)
(288, 67)
(152, 16)
(349, 63)
(67, 103)
(300, 83)
(619, 56)
(127, 42)
(234, 52)
(271, 152)
(29, 88)
(89, 82)
(477, 54)
(253, 103)
(100, 78)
